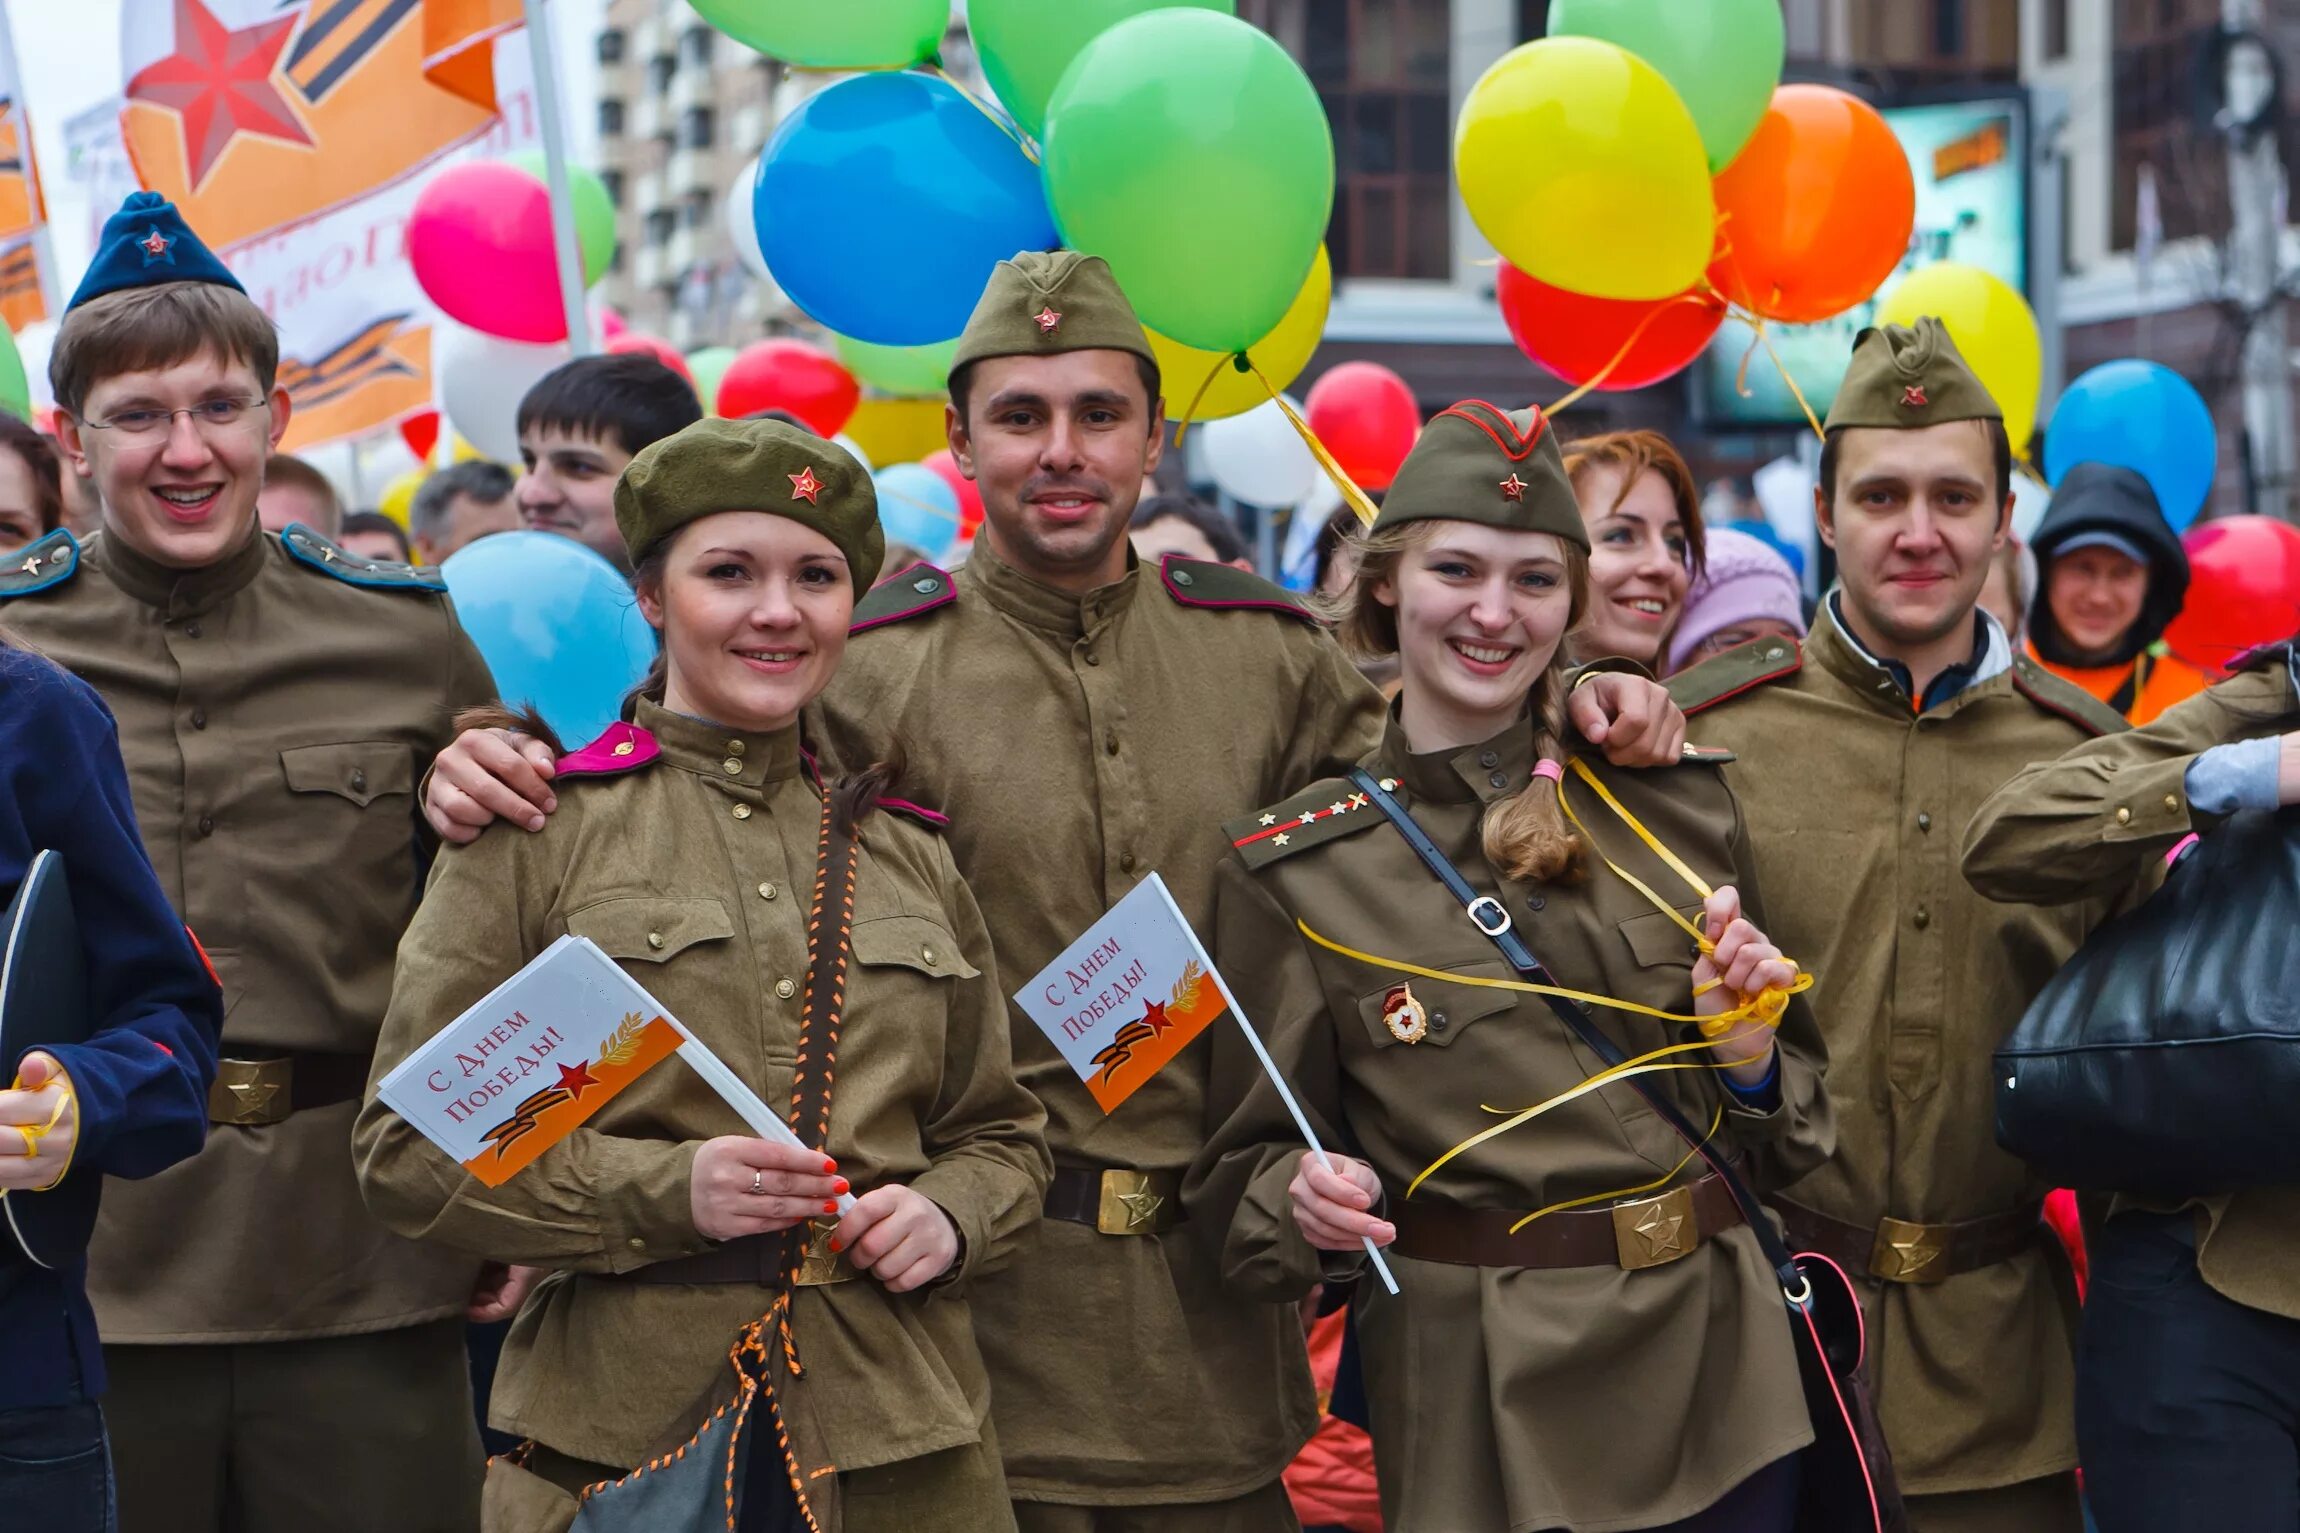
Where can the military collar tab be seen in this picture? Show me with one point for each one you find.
(40, 566)
(623, 748)
(1221, 588)
(1323, 812)
(2280, 652)
(2064, 698)
(913, 591)
(308, 548)
(1744, 668)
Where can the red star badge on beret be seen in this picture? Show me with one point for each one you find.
(805, 486)
(1047, 320)
(1513, 488)
(1913, 398)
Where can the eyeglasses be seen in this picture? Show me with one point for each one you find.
(213, 414)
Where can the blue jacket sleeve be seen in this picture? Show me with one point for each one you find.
(142, 1079)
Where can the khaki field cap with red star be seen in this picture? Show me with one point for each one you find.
(1044, 302)
(1903, 377)
(1480, 463)
(755, 465)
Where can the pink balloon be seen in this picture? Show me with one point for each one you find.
(480, 242)
(611, 323)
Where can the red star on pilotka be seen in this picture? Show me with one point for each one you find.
(1513, 488)
(1047, 320)
(805, 486)
(220, 81)
(576, 1079)
(1913, 398)
(155, 244)
(1154, 1014)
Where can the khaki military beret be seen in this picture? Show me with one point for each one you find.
(753, 465)
(1044, 302)
(1478, 463)
(1903, 377)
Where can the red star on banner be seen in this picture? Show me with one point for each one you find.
(1154, 1014)
(1047, 320)
(1513, 488)
(1913, 398)
(220, 81)
(576, 1079)
(805, 486)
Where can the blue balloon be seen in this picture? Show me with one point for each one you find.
(556, 623)
(884, 203)
(2145, 417)
(916, 507)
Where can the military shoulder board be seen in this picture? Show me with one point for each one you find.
(1331, 810)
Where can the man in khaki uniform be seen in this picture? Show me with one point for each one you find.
(1862, 756)
(1087, 720)
(279, 1362)
(2188, 1380)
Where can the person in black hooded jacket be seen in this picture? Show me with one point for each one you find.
(2113, 576)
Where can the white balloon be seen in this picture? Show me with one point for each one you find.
(2030, 498)
(854, 451)
(1259, 457)
(743, 223)
(481, 380)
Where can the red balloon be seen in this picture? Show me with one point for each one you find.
(632, 343)
(1576, 336)
(1367, 417)
(2243, 589)
(611, 323)
(805, 380)
(945, 467)
(420, 432)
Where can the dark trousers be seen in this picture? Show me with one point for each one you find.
(55, 1474)
(2187, 1403)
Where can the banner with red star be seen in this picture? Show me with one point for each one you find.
(23, 209)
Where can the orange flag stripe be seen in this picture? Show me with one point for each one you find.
(1110, 1087)
(521, 1137)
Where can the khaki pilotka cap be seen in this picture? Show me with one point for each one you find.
(754, 465)
(1478, 463)
(1045, 302)
(1906, 376)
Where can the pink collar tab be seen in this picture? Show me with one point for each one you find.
(623, 748)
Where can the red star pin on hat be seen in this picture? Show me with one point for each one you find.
(1047, 320)
(1513, 488)
(155, 244)
(1913, 397)
(805, 486)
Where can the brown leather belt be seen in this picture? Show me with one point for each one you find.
(1116, 1201)
(250, 1093)
(1898, 1251)
(755, 1259)
(1641, 1233)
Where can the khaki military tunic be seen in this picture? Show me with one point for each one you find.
(696, 872)
(1509, 1398)
(276, 710)
(1856, 805)
(1079, 744)
(2107, 813)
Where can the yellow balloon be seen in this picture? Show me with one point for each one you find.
(1583, 167)
(400, 493)
(1281, 355)
(1992, 325)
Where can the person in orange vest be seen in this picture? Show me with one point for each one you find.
(2113, 577)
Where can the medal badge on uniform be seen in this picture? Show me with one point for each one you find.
(1404, 1016)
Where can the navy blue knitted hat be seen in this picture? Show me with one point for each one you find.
(147, 243)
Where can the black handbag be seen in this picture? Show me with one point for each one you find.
(2165, 1056)
(1847, 1484)
(44, 1002)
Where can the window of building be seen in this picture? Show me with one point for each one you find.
(1949, 28)
(661, 224)
(1532, 19)
(610, 117)
(697, 125)
(1383, 70)
(695, 47)
(697, 210)
(2152, 90)
(611, 179)
(2056, 29)
(611, 43)
(660, 70)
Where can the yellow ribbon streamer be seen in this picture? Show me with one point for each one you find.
(1352, 496)
(1716, 1118)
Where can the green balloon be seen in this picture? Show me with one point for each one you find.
(1723, 57)
(15, 388)
(709, 366)
(1189, 151)
(906, 371)
(1024, 45)
(842, 34)
(594, 210)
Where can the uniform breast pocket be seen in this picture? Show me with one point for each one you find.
(1656, 942)
(351, 805)
(650, 929)
(911, 942)
(1423, 1012)
(358, 771)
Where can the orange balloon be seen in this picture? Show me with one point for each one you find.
(1816, 212)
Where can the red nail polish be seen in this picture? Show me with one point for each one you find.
(836, 1248)
(839, 1186)
(829, 1165)
(830, 1207)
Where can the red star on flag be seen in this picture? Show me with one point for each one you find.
(576, 1079)
(805, 486)
(1047, 320)
(220, 82)
(1154, 1014)
(1913, 398)
(1513, 488)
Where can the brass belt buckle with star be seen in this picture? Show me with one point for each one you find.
(1132, 1204)
(1655, 1231)
(251, 1093)
(1909, 1253)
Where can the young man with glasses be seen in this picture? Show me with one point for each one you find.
(276, 1358)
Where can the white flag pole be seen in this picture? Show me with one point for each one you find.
(1270, 1068)
(43, 243)
(563, 239)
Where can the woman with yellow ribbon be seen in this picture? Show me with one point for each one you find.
(1588, 1335)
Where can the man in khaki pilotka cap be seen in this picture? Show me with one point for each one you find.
(1086, 720)
(1862, 757)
